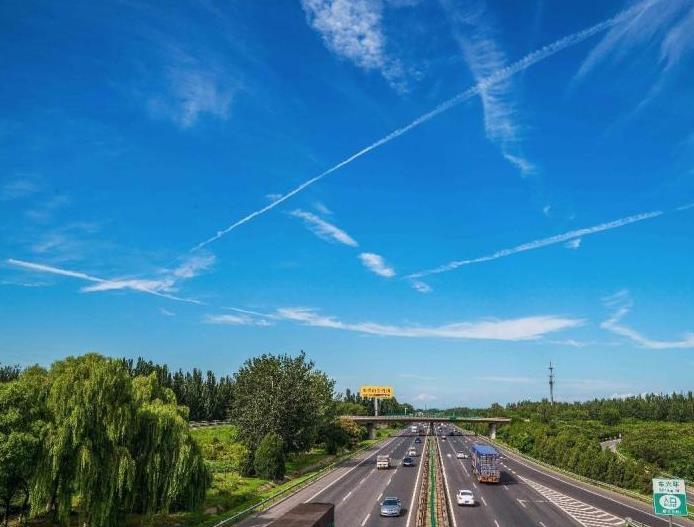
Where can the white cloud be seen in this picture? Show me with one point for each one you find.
(376, 264)
(353, 29)
(166, 312)
(526, 328)
(193, 265)
(622, 304)
(237, 320)
(153, 287)
(323, 229)
(544, 242)
(193, 90)
(546, 210)
(273, 197)
(421, 287)
(18, 187)
(497, 76)
(476, 37)
(573, 244)
(322, 208)
(425, 397)
(669, 24)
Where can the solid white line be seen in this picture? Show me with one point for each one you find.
(347, 496)
(365, 520)
(448, 488)
(350, 470)
(496, 523)
(483, 500)
(416, 485)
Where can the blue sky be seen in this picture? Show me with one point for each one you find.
(442, 196)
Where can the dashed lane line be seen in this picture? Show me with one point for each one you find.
(347, 496)
(365, 520)
(496, 523)
(483, 500)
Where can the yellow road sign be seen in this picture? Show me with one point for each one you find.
(376, 392)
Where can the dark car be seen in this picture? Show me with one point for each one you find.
(408, 462)
(418, 440)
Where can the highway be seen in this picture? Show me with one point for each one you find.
(527, 495)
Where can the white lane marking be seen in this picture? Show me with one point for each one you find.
(347, 496)
(416, 486)
(567, 482)
(484, 501)
(585, 514)
(365, 520)
(389, 481)
(370, 456)
(496, 523)
(542, 524)
(474, 484)
(445, 480)
(506, 487)
(379, 497)
(521, 502)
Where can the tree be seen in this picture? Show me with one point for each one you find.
(22, 418)
(281, 394)
(610, 416)
(269, 457)
(116, 443)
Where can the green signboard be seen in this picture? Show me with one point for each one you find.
(669, 497)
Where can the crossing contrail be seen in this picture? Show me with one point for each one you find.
(499, 75)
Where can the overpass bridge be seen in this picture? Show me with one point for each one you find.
(371, 420)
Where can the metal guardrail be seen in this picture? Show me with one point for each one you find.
(290, 491)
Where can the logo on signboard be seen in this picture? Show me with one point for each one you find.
(669, 497)
(376, 392)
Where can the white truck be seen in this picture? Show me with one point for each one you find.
(382, 461)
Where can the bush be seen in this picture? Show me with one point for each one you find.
(269, 457)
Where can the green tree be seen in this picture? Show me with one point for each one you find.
(269, 457)
(281, 394)
(22, 419)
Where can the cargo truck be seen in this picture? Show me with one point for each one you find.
(382, 461)
(307, 515)
(485, 463)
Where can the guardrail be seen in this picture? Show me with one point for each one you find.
(291, 490)
(607, 486)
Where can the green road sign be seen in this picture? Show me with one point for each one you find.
(669, 497)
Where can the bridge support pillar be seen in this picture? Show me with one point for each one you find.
(492, 430)
(371, 429)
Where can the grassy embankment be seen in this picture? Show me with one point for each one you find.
(231, 492)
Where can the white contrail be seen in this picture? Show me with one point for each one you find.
(536, 244)
(501, 74)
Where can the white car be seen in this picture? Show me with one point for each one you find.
(412, 452)
(461, 455)
(464, 497)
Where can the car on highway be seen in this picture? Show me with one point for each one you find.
(418, 440)
(464, 497)
(408, 462)
(443, 438)
(412, 452)
(391, 507)
(461, 455)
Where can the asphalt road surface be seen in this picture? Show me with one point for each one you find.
(527, 495)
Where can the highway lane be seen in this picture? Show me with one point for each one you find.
(587, 505)
(356, 488)
(506, 504)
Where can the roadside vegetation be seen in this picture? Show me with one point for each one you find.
(105, 442)
(656, 432)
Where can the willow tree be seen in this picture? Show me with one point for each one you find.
(113, 445)
(86, 451)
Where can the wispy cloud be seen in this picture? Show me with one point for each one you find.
(544, 242)
(166, 312)
(377, 265)
(622, 304)
(526, 328)
(353, 29)
(667, 24)
(323, 229)
(475, 34)
(18, 187)
(237, 320)
(421, 287)
(425, 397)
(498, 76)
(573, 244)
(322, 208)
(162, 287)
